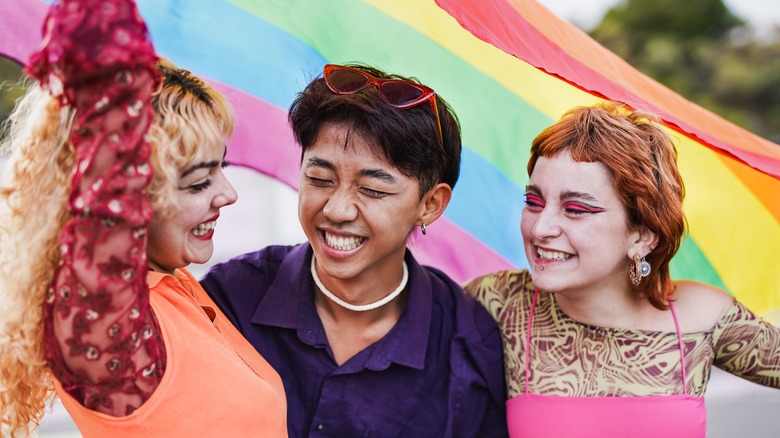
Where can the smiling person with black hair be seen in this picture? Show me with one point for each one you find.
(367, 341)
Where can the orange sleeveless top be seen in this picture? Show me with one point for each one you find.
(215, 382)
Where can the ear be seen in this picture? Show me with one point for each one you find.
(642, 242)
(433, 203)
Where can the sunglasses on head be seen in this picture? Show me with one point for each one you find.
(398, 93)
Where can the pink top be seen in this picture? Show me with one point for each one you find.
(535, 415)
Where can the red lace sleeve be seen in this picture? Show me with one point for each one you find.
(102, 340)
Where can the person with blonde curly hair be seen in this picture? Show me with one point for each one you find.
(113, 186)
(598, 339)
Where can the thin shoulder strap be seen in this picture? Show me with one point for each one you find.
(528, 337)
(680, 344)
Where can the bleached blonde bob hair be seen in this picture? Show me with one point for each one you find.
(33, 210)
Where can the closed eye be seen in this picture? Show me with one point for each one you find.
(373, 193)
(200, 186)
(317, 182)
(534, 202)
(577, 208)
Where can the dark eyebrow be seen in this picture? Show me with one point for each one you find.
(203, 165)
(372, 173)
(533, 188)
(379, 174)
(319, 162)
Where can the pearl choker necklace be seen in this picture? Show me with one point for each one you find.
(362, 307)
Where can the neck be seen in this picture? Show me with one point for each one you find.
(617, 308)
(153, 266)
(338, 300)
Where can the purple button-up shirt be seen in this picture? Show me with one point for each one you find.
(437, 373)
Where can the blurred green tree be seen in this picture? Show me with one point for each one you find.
(11, 86)
(699, 49)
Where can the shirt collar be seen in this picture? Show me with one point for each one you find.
(289, 293)
(289, 303)
(154, 278)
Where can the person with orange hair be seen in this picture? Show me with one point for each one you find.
(114, 185)
(598, 340)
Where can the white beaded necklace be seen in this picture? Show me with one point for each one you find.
(362, 307)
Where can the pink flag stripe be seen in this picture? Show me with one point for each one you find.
(21, 24)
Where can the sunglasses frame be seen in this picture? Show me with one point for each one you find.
(427, 93)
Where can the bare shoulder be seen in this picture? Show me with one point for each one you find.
(699, 306)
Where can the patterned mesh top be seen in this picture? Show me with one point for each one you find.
(102, 340)
(573, 359)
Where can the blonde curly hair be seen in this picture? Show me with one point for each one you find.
(33, 210)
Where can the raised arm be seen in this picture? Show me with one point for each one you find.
(102, 340)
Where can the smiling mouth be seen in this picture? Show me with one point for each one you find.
(342, 243)
(204, 228)
(552, 255)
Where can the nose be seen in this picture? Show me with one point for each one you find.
(545, 224)
(226, 195)
(341, 206)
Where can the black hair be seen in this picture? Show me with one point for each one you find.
(407, 138)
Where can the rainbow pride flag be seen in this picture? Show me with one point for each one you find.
(509, 68)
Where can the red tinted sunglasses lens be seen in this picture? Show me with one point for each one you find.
(401, 94)
(346, 81)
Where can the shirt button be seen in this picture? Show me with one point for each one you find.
(320, 426)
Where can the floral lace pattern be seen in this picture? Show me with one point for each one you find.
(102, 340)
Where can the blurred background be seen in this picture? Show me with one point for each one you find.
(722, 55)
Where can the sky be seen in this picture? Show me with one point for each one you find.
(761, 14)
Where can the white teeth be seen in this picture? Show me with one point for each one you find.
(342, 243)
(204, 228)
(552, 255)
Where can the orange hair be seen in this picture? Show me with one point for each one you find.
(642, 162)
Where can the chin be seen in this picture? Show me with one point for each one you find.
(544, 283)
(199, 260)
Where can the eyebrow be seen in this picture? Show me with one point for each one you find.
(319, 162)
(204, 165)
(379, 174)
(568, 194)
